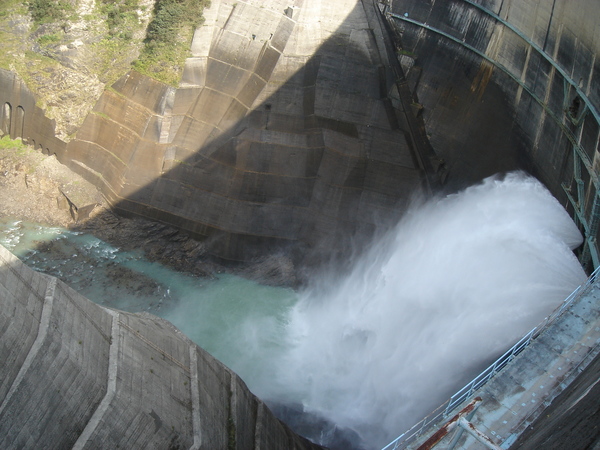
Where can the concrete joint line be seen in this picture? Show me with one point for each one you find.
(103, 149)
(138, 134)
(233, 399)
(154, 346)
(129, 99)
(195, 398)
(111, 386)
(11, 261)
(258, 428)
(195, 119)
(37, 344)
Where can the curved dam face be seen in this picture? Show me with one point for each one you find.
(283, 133)
(77, 375)
(293, 126)
(507, 84)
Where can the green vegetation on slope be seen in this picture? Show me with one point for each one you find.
(121, 17)
(8, 6)
(168, 38)
(45, 11)
(68, 51)
(6, 143)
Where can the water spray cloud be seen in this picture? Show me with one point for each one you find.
(457, 282)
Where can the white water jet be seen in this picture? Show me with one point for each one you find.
(458, 281)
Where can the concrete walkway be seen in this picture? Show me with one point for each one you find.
(519, 394)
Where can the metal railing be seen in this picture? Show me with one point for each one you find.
(469, 389)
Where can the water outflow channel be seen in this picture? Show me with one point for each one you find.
(457, 282)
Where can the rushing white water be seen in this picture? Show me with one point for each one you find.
(429, 305)
(458, 281)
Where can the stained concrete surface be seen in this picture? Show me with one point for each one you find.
(519, 394)
(565, 30)
(573, 418)
(283, 134)
(499, 81)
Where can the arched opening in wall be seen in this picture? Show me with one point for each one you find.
(6, 117)
(19, 122)
(41, 148)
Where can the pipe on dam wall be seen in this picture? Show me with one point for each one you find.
(77, 375)
(508, 84)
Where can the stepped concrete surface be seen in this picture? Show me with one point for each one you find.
(77, 375)
(288, 130)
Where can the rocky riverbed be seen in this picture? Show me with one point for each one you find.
(37, 188)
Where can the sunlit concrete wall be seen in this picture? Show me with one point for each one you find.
(21, 118)
(286, 132)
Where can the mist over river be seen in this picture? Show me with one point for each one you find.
(430, 303)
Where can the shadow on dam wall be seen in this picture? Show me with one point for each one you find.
(280, 140)
(77, 375)
(518, 81)
(273, 141)
(268, 158)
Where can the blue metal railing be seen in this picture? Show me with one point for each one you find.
(468, 390)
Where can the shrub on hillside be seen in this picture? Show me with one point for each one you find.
(43, 11)
(119, 15)
(171, 15)
(168, 37)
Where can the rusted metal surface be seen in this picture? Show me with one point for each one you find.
(449, 426)
(485, 440)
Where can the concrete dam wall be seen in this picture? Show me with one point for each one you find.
(77, 375)
(291, 128)
(510, 84)
(283, 133)
(21, 117)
